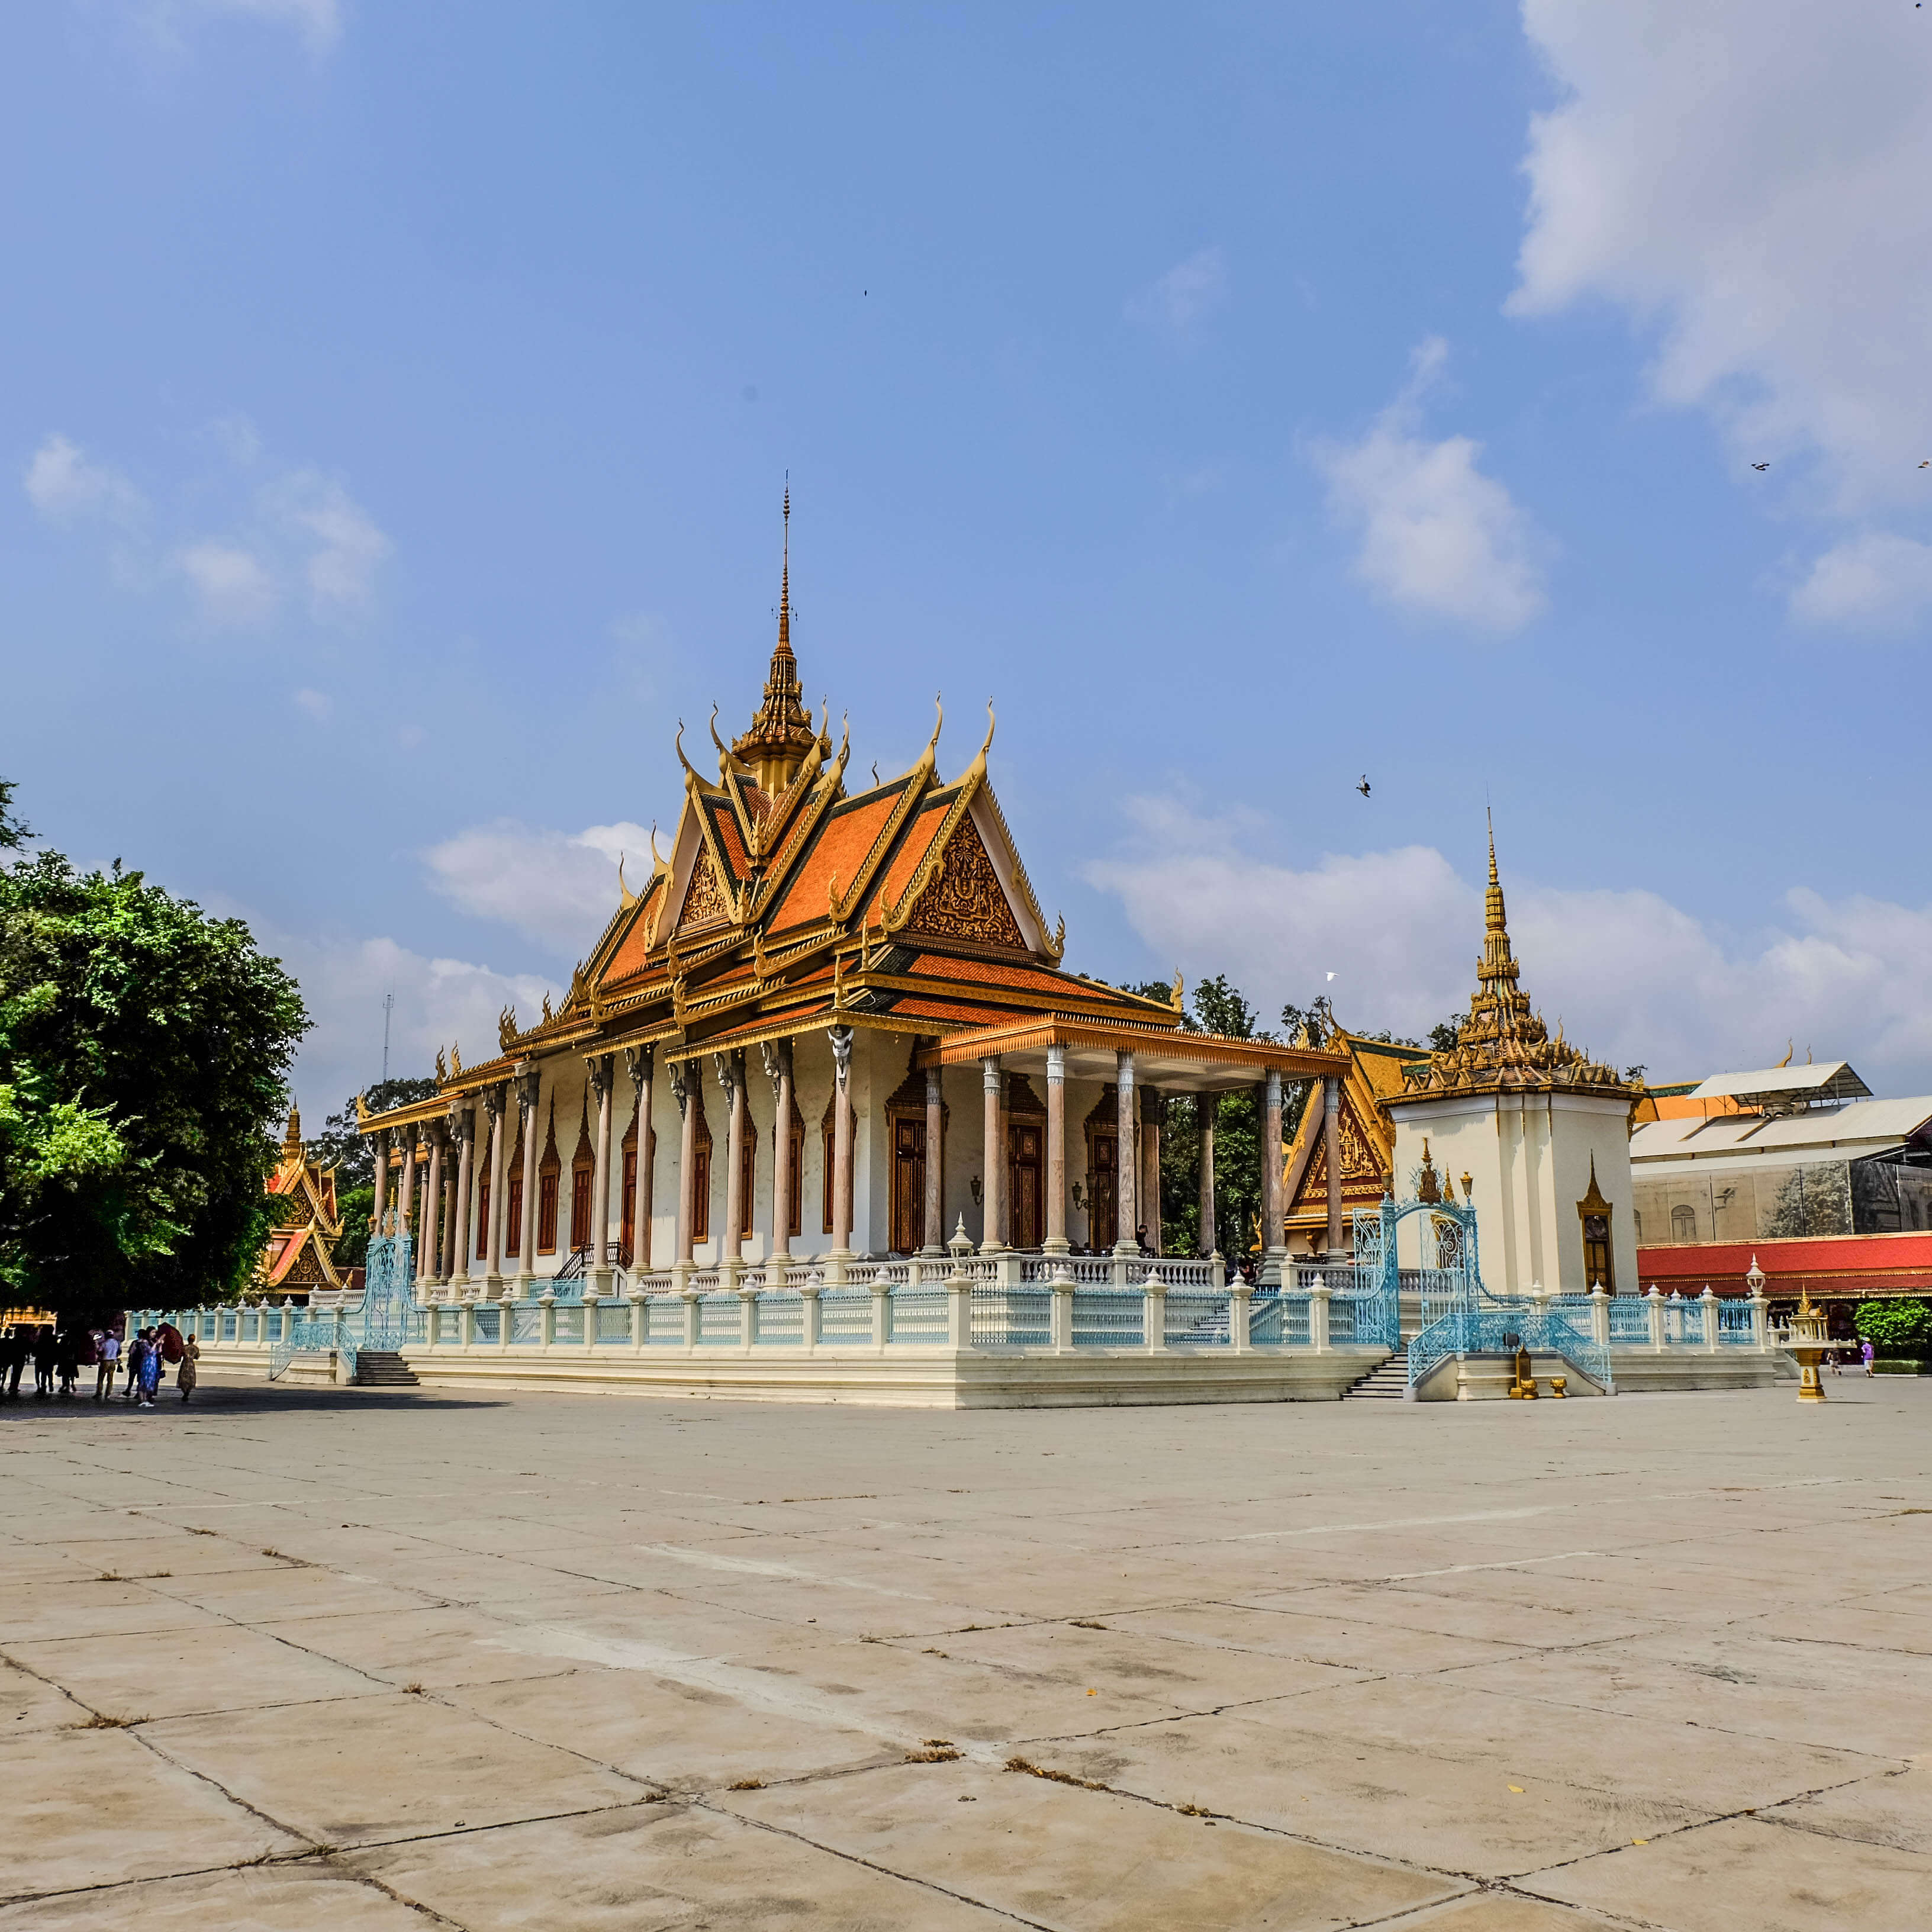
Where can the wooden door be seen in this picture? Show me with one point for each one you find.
(908, 1183)
(1103, 1192)
(1024, 1162)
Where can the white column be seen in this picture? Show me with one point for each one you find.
(994, 1083)
(406, 1194)
(1056, 1242)
(682, 1075)
(1126, 1162)
(1153, 1110)
(456, 1250)
(382, 1145)
(841, 1143)
(430, 1247)
(599, 1069)
(1271, 1234)
(778, 1070)
(494, 1100)
(640, 1062)
(935, 1155)
(529, 1089)
(730, 1244)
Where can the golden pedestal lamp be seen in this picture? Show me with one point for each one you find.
(1803, 1337)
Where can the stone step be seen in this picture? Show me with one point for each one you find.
(383, 1368)
(1387, 1381)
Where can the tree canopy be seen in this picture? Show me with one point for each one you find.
(145, 1049)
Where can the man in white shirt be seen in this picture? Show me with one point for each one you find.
(106, 1354)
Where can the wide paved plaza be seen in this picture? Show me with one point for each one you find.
(362, 1659)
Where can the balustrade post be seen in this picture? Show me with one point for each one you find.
(1240, 1315)
(1600, 1316)
(505, 1318)
(1710, 1302)
(1760, 1322)
(640, 1319)
(1153, 1314)
(547, 1321)
(689, 1296)
(959, 1307)
(812, 1314)
(592, 1300)
(1060, 1330)
(882, 1312)
(466, 1325)
(747, 1317)
(1656, 1336)
(1319, 1292)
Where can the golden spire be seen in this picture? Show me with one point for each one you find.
(780, 738)
(1495, 921)
(292, 1141)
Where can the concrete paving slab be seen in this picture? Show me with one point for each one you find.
(435, 1647)
(93, 1807)
(1746, 1872)
(94, 1608)
(281, 1898)
(368, 1768)
(29, 1704)
(1349, 1643)
(659, 1868)
(173, 1673)
(1056, 1856)
(1429, 1811)
(1890, 1807)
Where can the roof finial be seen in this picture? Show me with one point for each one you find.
(785, 575)
(1495, 920)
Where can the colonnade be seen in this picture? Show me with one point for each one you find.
(441, 1186)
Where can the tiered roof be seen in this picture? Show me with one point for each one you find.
(300, 1249)
(1504, 1044)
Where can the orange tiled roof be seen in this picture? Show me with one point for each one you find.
(840, 849)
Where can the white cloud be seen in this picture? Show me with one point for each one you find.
(438, 1000)
(343, 544)
(62, 483)
(1632, 977)
(1878, 581)
(1749, 175)
(1185, 295)
(233, 588)
(1437, 536)
(166, 24)
(559, 888)
(318, 704)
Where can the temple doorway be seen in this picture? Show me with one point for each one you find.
(1025, 1152)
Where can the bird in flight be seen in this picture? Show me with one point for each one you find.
(1760, 465)
(1927, 464)
(1363, 786)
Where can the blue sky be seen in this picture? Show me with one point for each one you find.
(1243, 397)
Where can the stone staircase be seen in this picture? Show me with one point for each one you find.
(1388, 1381)
(383, 1368)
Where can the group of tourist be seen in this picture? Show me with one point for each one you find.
(59, 1354)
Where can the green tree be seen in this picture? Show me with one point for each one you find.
(341, 1143)
(1901, 1328)
(144, 1053)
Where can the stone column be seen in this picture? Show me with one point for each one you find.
(599, 1070)
(381, 1142)
(529, 1091)
(406, 1194)
(1331, 1148)
(1206, 1106)
(495, 1099)
(463, 1125)
(430, 1245)
(994, 1163)
(935, 1157)
(681, 1078)
(778, 1071)
(1271, 1236)
(841, 1037)
(1126, 1162)
(640, 1063)
(1153, 1112)
(1056, 1242)
(730, 1072)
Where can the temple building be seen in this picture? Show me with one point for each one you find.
(834, 1023)
(1537, 1131)
(299, 1257)
(1363, 1139)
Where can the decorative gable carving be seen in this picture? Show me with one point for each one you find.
(963, 899)
(1365, 1175)
(705, 901)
